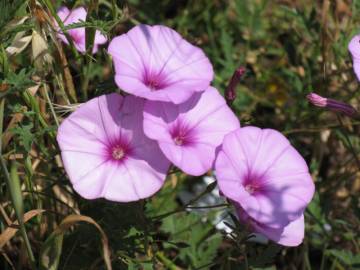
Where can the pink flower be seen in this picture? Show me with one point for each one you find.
(290, 235)
(156, 63)
(189, 133)
(106, 154)
(354, 48)
(260, 171)
(78, 34)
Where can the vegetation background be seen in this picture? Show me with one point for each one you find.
(289, 49)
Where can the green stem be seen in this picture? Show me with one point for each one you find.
(166, 262)
(209, 206)
(306, 257)
(144, 222)
(85, 79)
(114, 9)
(246, 260)
(62, 89)
(352, 150)
(118, 10)
(52, 10)
(46, 90)
(30, 101)
(18, 215)
(323, 257)
(11, 186)
(208, 189)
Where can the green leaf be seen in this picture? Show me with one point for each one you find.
(4, 61)
(315, 208)
(345, 256)
(51, 251)
(15, 191)
(8, 9)
(25, 135)
(200, 238)
(18, 81)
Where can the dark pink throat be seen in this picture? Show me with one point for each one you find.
(119, 151)
(253, 185)
(155, 81)
(182, 134)
(76, 36)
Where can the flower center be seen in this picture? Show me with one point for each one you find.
(154, 81)
(117, 153)
(180, 136)
(153, 84)
(181, 133)
(76, 36)
(179, 140)
(250, 189)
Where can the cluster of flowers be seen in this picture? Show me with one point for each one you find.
(121, 147)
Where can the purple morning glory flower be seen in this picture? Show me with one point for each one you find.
(78, 34)
(106, 154)
(260, 171)
(189, 133)
(156, 63)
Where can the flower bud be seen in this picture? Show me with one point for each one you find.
(332, 104)
(230, 92)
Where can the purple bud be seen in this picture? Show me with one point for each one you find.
(230, 92)
(332, 104)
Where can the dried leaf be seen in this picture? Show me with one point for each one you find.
(40, 51)
(33, 89)
(66, 198)
(10, 231)
(7, 134)
(19, 44)
(71, 220)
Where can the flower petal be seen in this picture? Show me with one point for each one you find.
(262, 147)
(230, 173)
(63, 12)
(193, 159)
(292, 235)
(76, 15)
(289, 235)
(134, 181)
(354, 49)
(93, 184)
(79, 164)
(85, 123)
(356, 67)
